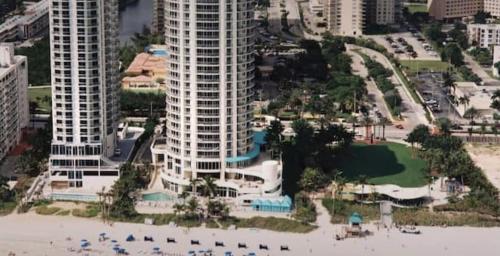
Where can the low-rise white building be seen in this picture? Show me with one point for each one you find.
(496, 59)
(484, 35)
(316, 6)
(14, 113)
(479, 97)
(34, 22)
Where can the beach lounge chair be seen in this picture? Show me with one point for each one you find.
(228, 254)
(195, 242)
(170, 240)
(284, 248)
(242, 245)
(148, 239)
(252, 254)
(263, 247)
(219, 244)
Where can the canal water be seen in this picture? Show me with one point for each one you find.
(134, 17)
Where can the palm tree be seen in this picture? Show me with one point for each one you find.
(429, 179)
(179, 208)
(449, 82)
(341, 182)
(193, 183)
(494, 128)
(483, 127)
(367, 122)
(5, 193)
(495, 104)
(363, 180)
(209, 187)
(353, 120)
(383, 122)
(192, 207)
(471, 113)
(464, 101)
(444, 125)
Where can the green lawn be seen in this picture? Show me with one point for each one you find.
(414, 8)
(420, 65)
(38, 95)
(387, 163)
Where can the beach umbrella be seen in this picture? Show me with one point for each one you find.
(113, 241)
(102, 234)
(130, 238)
(156, 248)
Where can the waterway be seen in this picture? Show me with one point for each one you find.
(133, 17)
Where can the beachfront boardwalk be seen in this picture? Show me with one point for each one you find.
(31, 234)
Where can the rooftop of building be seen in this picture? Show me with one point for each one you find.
(34, 10)
(146, 62)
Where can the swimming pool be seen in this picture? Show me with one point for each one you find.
(158, 196)
(73, 197)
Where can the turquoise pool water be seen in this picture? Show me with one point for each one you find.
(74, 197)
(159, 196)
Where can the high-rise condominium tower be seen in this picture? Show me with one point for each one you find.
(13, 97)
(84, 63)
(158, 24)
(209, 95)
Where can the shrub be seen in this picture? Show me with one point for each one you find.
(45, 210)
(90, 211)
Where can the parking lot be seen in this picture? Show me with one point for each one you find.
(407, 45)
(429, 86)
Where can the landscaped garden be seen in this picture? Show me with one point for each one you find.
(415, 66)
(385, 163)
(42, 97)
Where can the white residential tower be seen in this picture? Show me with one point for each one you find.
(14, 114)
(84, 63)
(209, 95)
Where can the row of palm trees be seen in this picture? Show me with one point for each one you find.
(366, 122)
(193, 209)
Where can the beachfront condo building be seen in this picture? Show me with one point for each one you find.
(454, 9)
(209, 85)
(493, 7)
(345, 17)
(158, 24)
(14, 113)
(351, 17)
(383, 12)
(85, 83)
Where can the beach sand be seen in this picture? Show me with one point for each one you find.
(31, 234)
(488, 158)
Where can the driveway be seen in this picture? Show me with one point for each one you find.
(479, 71)
(374, 94)
(413, 113)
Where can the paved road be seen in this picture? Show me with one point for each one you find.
(374, 94)
(413, 113)
(478, 70)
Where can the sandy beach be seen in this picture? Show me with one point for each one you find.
(32, 234)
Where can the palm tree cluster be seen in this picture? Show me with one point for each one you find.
(193, 209)
(446, 156)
